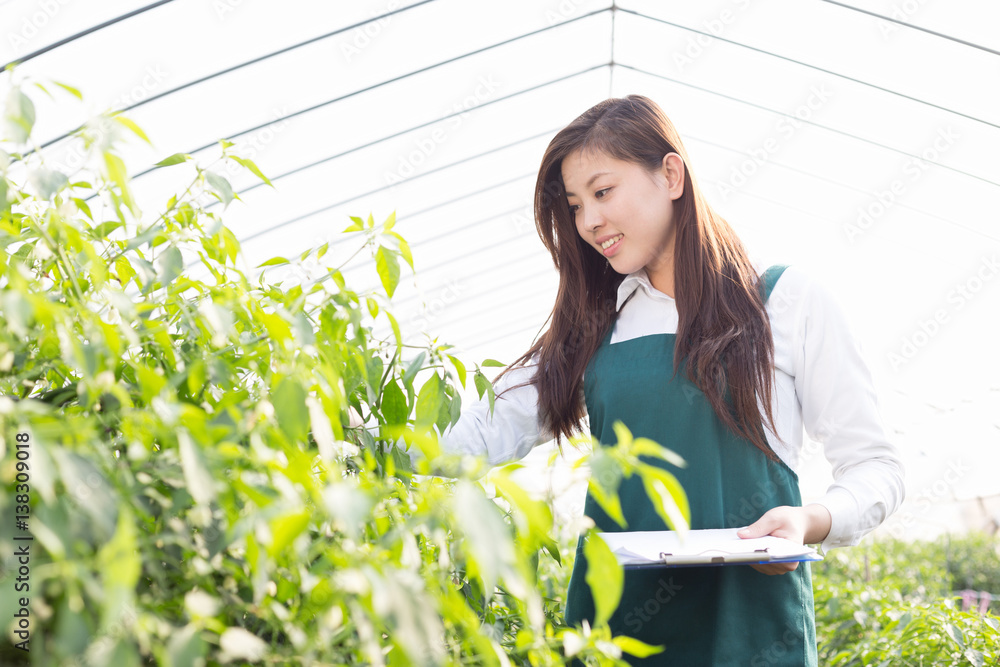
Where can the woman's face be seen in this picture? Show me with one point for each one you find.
(624, 211)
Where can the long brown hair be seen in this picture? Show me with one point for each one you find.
(723, 333)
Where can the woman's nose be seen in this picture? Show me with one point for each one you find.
(592, 219)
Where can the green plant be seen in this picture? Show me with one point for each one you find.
(892, 603)
(213, 469)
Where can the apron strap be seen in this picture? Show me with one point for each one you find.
(769, 278)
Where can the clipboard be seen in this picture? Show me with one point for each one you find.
(701, 548)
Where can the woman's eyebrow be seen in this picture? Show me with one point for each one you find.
(591, 181)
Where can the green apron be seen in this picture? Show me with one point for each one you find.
(722, 615)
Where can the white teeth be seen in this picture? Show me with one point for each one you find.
(610, 242)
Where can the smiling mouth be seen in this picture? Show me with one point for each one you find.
(610, 242)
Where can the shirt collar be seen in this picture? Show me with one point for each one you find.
(638, 279)
(634, 281)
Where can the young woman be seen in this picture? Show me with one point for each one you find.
(663, 322)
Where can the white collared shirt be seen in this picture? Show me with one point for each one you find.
(821, 384)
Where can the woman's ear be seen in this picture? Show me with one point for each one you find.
(673, 171)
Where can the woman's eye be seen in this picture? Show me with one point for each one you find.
(573, 208)
(600, 193)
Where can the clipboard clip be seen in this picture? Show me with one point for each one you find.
(715, 560)
(667, 554)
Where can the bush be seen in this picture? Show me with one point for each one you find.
(209, 470)
(893, 603)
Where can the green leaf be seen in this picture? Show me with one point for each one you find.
(373, 369)
(493, 363)
(394, 409)
(186, 647)
(41, 87)
(124, 270)
(389, 222)
(605, 478)
(176, 158)
(84, 207)
(198, 480)
(130, 124)
(277, 327)
(552, 549)
(116, 169)
(102, 230)
(274, 261)
(124, 654)
(668, 497)
(119, 176)
(647, 447)
(47, 182)
(532, 517)
(196, 377)
(454, 412)
(120, 561)
(170, 264)
(70, 89)
(484, 386)
(604, 577)
(429, 400)
(460, 369)
(413, 369)
(357, 225)
(975, 658)
(482, 383)
(488, 541)
(388, 269)
(404, 250)
(289, 400)
(397, 335)
(401, 462)
(150, 382)
(221, 187)
(249, 164)
(372, 306)
(955, 633)
(285, 529)
(635, 647)
(230, 243)
(20, 115)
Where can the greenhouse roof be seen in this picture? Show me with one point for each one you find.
(855, 139)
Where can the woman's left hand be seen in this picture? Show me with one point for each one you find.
(803, 525)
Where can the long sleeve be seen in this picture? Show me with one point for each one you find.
(840, 411)
(512, 431)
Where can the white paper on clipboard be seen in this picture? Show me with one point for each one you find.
(703, 547)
